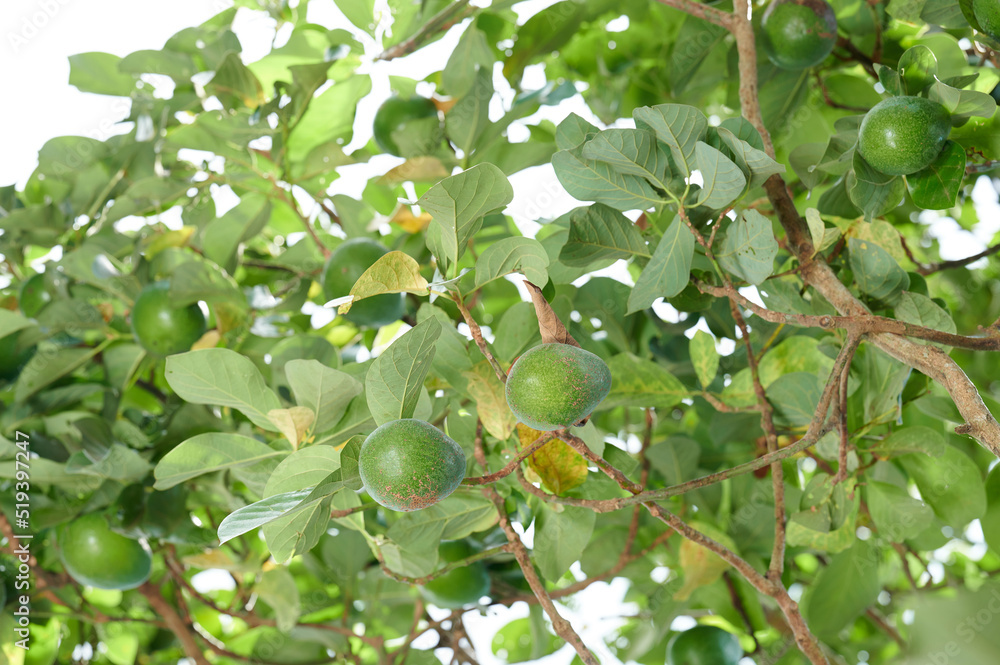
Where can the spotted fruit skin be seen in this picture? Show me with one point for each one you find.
(902, 135)
(798, 34)
(409, 464)
(552, 386)
(987, 13)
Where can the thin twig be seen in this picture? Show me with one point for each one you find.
(447, 17)
(527, 452)
(477, 335)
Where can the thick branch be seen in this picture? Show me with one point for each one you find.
(447, 17)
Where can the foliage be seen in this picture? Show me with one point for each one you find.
(801, 386)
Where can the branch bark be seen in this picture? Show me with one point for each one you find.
(177, 625)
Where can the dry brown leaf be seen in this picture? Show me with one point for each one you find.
(701, 567)
(557, 465)
(552, 329)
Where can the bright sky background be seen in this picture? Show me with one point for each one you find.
(39, 35)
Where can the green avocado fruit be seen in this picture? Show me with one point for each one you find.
(987, 13)
(902, 135)
(346, 264)
(161, 327)
(462, 586)
(797, 34)
(95, 555)
(33, 295)
(552, 386)
(704, 645)
(409, 464)
(411, 115)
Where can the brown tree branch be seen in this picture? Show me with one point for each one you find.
(525, 453)
(477, 335)
(443, 20)
(181, 629)
(710, 14)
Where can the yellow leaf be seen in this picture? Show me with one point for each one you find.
(701, 566)
(177, 238)
(405, 219)
(416, 169)
(394, 272)
(293, 422)
(485, 388)
(207, 341)
(559, 467)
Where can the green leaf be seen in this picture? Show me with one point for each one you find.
(601, 233)
(469, 117)
(207, 453)
(560, 538)
(897, 515)
(573, 131)
(918, 439)
(723, 179)
(680, 126)
(795, 397)
(359, 12)
(917, 68)
(326, 391)
(641, 383)
(875, 271)
(694, 42)
(98, 73)
(668, 272)
(704, 357)
(223, 378)
(843, 590)
(951, 484)
(937, 186)
(259, 513)
(525, 640)
(676, 460)
(515, 254)
(396, 378)
(755, 164)
(277, 588)
(889, 78)
(874, 192)
(962, 103)
(922, 311)
(471, 55)
(632, 151)
(235, 85)
(458, 204)
(749, 248)
(804, 159)
(222, 237)
(303, 468)
(49, 364)
(298, 532)
(590, 180)
(781, 96)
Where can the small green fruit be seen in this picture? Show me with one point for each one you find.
(797, 34)
(162, 328)
(33, 295)
(409, 465)
(411, 115)
(346, 264)
(704, 645)
(902, 135)
(95, 555)
(462, 586)
(556, 385)
(13, 361)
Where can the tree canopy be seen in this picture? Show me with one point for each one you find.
(797, 445)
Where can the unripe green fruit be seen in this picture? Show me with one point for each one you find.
(162, 328)
(902, 135)
(409, 465)
(346, 264)
(33, 295)
(556, 385)
(95, 555)
(704, 645)
(987, 13)
(797, 34)
(11, 360)
(460, 587)
(397, 114)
